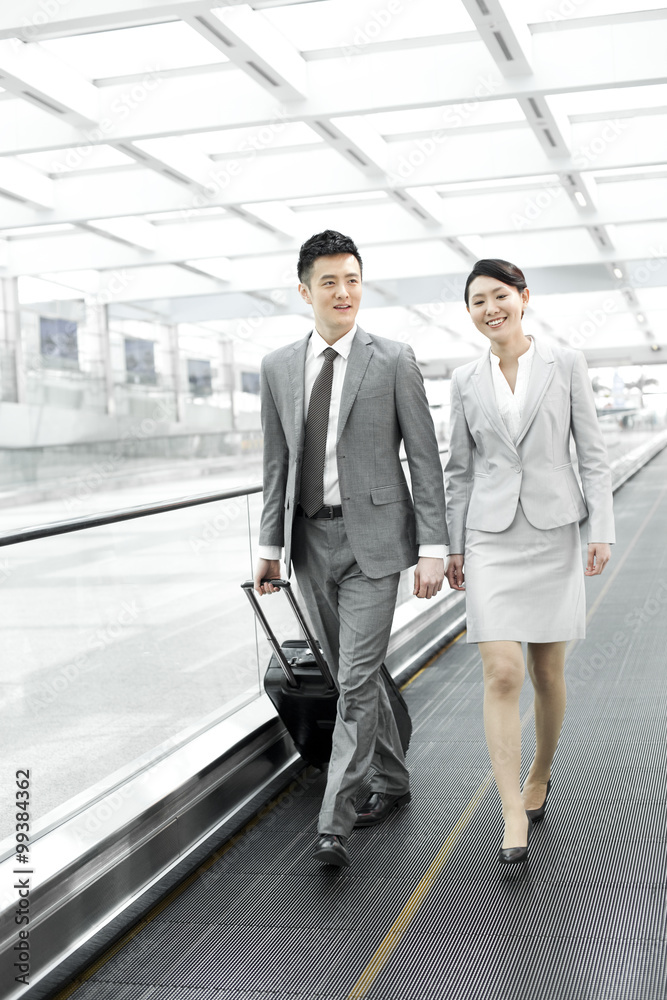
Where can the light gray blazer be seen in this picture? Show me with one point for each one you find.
(487, 473)
(383, 402)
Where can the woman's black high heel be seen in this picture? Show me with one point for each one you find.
(515, 855)
(536, 814)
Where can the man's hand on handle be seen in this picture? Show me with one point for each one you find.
(267, 569)
(454, 572)
(429, 574)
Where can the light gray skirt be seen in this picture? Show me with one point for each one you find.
(525, 584)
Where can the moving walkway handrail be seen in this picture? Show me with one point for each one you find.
(127, 514)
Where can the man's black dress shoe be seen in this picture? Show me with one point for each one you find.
(515, 855)
(377, 807)
(331, 850)
(536, 814)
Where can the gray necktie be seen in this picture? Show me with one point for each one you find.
(317, 424)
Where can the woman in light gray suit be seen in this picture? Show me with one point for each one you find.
(513, 511)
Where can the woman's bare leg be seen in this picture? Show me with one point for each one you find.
(546, 663)
(504, 673)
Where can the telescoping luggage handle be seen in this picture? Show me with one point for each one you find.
(285, 585)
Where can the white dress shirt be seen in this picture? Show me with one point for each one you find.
(314, 362)
(511, 403)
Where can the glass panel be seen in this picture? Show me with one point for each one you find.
(122, 638)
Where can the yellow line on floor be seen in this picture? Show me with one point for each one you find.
(432, 660)
(407, 914)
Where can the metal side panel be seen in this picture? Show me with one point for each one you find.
(93, 875)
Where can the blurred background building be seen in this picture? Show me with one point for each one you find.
(161, 163)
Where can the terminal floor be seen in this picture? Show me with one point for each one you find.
(425, 912)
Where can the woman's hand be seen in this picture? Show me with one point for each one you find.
(599, 554)
(454, 572)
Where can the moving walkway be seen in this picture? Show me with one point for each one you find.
(236, 908)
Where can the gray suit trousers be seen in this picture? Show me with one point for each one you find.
(351, 616)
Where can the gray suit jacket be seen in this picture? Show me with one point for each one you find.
(383, 401)
(487, 473)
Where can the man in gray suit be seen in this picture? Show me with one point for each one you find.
(335, 408)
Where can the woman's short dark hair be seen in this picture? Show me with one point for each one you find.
(326, 244)
(502, 270)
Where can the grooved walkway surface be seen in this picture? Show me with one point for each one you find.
(585, 919)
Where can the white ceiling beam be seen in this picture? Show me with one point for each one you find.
(34, 21)
(423, 203)
(281, 219)
(18, 180)
(357, 141)
(194, 170)
(253, 44)
(552, 130)
(322, 174)
(134, 231)
(38, 76)
(233, 238)
(422, 261)
(503, 30)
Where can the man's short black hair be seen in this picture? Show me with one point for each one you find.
(326, 244)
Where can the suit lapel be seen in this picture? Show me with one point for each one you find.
(357, 363)
(297, 375)
(482, 380)
(541, 374)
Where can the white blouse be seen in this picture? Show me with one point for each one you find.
(511, 403)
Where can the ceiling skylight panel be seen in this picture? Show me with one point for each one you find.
(128, 51)
(212, 212)
(629, 200)
(325, 201)
(276, 134)
(609, 102)
(564, 11)
(474, 188)
(28, 231)
(397, 125)
(646, 240)
(354, 24)
(60, 161)
(553, 248)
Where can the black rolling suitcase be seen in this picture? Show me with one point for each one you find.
(300, 685)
